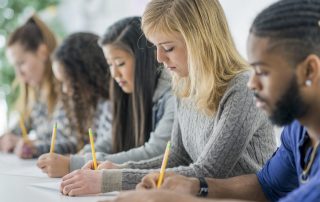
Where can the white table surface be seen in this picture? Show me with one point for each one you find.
(16, 186)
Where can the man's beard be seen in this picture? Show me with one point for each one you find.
(290, 106)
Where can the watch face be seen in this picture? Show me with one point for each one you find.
(203, 187)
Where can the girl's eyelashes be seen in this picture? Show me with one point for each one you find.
(117, 65)
(121, 64)
(259, 72)
(169, 49)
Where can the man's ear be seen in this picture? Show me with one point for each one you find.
(308, 71)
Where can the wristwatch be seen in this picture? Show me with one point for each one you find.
(203, 192)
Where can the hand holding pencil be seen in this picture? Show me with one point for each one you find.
(25, 149)
(164, 165)
(155, 180)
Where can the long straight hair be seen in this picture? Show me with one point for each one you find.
(212, 56)
(132, 122)
(30, 36)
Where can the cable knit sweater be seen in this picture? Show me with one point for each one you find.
(238, 139)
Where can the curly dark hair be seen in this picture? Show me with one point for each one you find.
(87, 73)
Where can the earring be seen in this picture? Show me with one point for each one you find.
(308, 82)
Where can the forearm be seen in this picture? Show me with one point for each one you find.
(155, 163)
(121, 179)
(78, 161)
(145, 164)
(127, 179)
(61, 146)
(136, 154)
(147, 151)
(245, 187)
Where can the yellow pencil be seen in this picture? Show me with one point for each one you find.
(53, 139)
(164, 164)
(23, 128)
(93, 150)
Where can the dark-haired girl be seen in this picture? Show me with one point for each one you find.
(81, 68)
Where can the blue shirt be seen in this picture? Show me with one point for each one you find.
(280, 177)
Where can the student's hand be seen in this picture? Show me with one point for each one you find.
(108, 165)
(89, 165)
(55, 165)
(171, 181)
(81, 182)
(153, 196)
(25, 149)
(150, 181)
(8, 142)
(101, 165)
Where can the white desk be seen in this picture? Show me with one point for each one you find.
(15, 187)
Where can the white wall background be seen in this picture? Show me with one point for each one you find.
(240, 15)
(97, 15)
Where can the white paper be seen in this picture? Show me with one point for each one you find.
(52, 186)
(9, 161)
(55, 186)
(31, 171)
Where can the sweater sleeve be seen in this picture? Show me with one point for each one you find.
(236, 121)
(156, 143)
(66, 140)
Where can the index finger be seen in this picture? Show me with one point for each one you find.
(69, 176)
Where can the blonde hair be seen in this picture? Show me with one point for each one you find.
(31, 35)
(212, 57)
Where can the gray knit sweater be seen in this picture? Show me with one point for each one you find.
(237, 140)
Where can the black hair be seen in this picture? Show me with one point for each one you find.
(293, 23)
(132, 122)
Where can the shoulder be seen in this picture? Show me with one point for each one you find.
(237, 90)
(240, 81)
